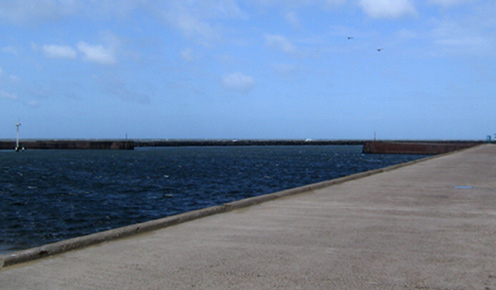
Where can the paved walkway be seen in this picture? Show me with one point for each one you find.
(430, 225)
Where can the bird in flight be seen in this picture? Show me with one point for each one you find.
(350, 37)
(380, 49)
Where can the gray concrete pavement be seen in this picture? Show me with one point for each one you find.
(430, 225)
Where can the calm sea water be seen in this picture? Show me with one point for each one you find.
(47, 196)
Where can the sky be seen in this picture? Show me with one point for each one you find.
(258, 69)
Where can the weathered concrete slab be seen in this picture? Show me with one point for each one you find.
(430, 225)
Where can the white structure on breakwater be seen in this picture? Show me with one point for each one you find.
(17, 136)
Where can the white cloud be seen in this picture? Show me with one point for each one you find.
(58, 51)
(285, 69)
(11, 50)
(115, 86)
(197, 20)
(299, 3)
(223, 8)
(387, 8)
(10, 78)
(29, 11)
(14, 78)
(406, 34)
(293, 19)
(33, 104)
(470, 33)
(187, 54)
(97, 53)
(455, 38)
(7, 95)
(335, 2)
(447, 3)
(279, 42)
(238, 82)
(192, 26)
(20, 11)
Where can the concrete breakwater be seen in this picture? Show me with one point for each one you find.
(426, 148)
(70, 144)
(241, 142)
(131, 144)
(378, 147)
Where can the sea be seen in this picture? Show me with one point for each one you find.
(52, 195)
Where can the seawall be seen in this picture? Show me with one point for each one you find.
(379, 147)
(131, 144)
(70, 144)
(241, 142)
(424, 148)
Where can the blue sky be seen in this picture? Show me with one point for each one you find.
(263, 69)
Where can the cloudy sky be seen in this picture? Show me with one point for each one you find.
(276, 69)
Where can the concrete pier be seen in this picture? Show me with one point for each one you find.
(424, 148)
(428, 225)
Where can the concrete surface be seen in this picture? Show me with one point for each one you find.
(429, 225)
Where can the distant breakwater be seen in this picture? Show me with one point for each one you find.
(378, 147)
(242, 142)
(70, 144)
(419, 147)
(131, 144)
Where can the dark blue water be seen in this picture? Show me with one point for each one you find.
(47, 196)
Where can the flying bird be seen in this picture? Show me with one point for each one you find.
(350, 37)
(380, 49)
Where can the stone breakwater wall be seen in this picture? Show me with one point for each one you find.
(380, 147)
(131, 144)
(70, 144)
(179, 143)
(424, 148)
